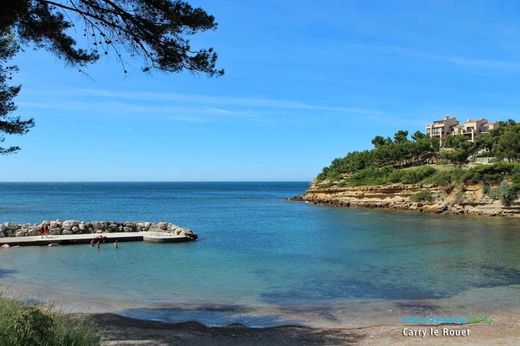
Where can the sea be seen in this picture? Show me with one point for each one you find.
(260, 260)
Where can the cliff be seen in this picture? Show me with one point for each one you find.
(461, 199)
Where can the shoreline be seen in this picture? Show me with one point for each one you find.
(120, 330)
(413, 210)
(467, 200)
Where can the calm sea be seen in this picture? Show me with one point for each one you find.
(260, 260)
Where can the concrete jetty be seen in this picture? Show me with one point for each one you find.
(81, 232)
(84, 238)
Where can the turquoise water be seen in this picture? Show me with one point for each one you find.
(261, 260)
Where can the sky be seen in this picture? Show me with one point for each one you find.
(305, 82)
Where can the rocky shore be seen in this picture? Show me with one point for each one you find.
(464, 199)
(69, 227)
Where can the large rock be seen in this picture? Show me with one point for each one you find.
(33, 232)
(11, 226)
(98, 225)
(55, 231)
(55, 224)
(66, 232)
(70, 223)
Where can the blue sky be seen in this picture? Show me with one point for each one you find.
(305, 82)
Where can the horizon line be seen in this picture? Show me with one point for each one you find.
(154, 181)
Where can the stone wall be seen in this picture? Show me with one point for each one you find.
(11, 229)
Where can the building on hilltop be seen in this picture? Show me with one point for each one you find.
(441, 128)
(471, 129)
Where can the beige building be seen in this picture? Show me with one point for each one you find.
(441, 128)
(450, 126)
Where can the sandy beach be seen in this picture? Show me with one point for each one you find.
(118, 330)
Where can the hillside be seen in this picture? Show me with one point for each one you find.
(423, 174)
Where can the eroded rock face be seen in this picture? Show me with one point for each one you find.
(466, 199)
(68, 227)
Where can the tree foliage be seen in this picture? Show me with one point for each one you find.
(383, 163)
(507, 145)
(458, 149)
(158, 31)
(9, 125)
(399, 152)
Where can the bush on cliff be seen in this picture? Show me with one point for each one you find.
(505, 192)
(422, 196)
(30, 325)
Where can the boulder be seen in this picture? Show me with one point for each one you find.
(5, 246)
(55, 224)
(11, 226)
(55, 231)
(2, 234)
(82, 227)
(162, 226)
(70, 223)
(67, 232)
(75, 229)
(127, 229)
(21, 233)
(33, 231)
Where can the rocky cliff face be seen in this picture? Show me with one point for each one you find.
(465, 199)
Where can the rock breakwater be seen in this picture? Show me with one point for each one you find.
(69, 227)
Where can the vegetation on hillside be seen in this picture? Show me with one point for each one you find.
(422, 160)
(31, 325)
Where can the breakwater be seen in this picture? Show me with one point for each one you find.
(72, 227)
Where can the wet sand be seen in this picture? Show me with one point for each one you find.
(119, 330)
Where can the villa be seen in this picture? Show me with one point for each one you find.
(450, 126)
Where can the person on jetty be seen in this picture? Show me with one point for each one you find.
(116, 245)
(45, 231)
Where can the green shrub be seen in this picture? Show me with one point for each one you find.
(505, 192)
(422, 196)
(30, 325)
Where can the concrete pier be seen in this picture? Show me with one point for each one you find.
(38, 240)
